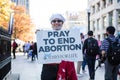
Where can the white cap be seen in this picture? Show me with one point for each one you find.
(58, 16)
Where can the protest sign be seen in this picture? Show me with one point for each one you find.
(54, 46)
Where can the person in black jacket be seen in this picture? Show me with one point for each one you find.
(34, 54)
(92, 49)
(111, 71)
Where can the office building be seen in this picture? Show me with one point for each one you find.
(77, 19)
(104, 13)
(24, 3)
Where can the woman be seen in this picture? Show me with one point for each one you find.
(49, 71)
(55, 71)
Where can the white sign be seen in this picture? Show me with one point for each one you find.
(54, 46)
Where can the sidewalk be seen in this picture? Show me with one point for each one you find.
(13, 77)
(32, 70)
(28, 70)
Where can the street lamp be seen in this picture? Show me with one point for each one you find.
(88, 12)
(11, 22)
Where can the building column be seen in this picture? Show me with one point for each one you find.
(96, 31)
(107, 1)
(101, 28)
(101, 23)
(114, 1)
(115, 19)
(91, 24)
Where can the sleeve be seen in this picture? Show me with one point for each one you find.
(103, 45)
(84, 46)
(98, 48)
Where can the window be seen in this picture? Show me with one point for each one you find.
(98, 24)
(104, 3)
(98, 7)
(118, 16)
(119, 19)
(4, 49)
(118, 0)
(104, 22)
(93, 25)
(111, 18)
(93, 8)
(110, 2)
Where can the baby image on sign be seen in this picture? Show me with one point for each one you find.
(54, 46)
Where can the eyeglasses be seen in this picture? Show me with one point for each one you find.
(54, 21)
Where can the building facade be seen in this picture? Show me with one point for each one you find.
(104, 13)
(77, 20)
(24, 3)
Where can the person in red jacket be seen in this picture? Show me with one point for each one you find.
(50, 71)
(66, 71)
(14, 45)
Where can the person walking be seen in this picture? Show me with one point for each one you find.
(27, 48)
(81, 63)
(50, 71)
(84, 58)
(34, 53)
(14, 45)
(91, 47)
(111, 71)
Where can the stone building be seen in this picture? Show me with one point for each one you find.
(104, 13)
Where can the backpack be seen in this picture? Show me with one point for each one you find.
(16, 45)
(113, 53)
(92, 47)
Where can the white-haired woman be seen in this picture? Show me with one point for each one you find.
(64, 70)
(49, 71)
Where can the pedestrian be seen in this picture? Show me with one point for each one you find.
(111, 71)
(27, 48)
(30, 51)
(91, 47)
(50, 71)
(14, 45)
(81, 63)
(84, 58)
(24, 49)
(34, 53)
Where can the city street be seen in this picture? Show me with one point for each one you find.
(29, 70)
(62, 26)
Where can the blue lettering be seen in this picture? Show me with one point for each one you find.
(49, 34)
(66, 40)
(51, 41)
(41, 49)
(58, 34)
(45, 41)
